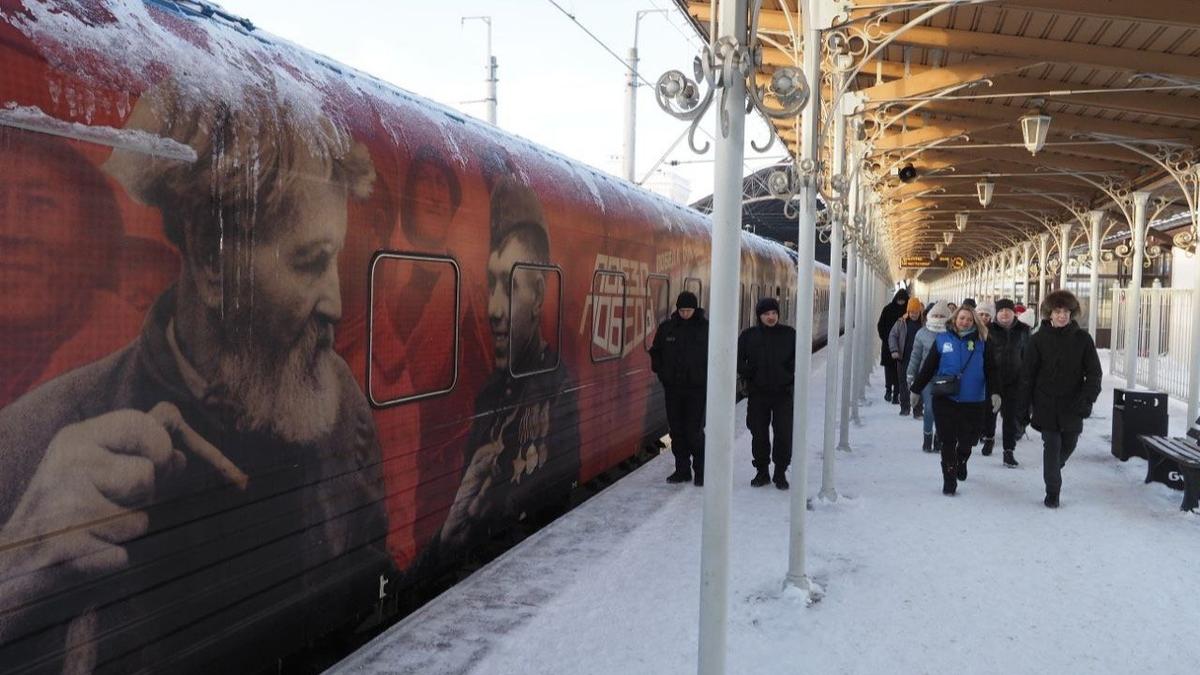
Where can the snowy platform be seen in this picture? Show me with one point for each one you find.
(988, 581)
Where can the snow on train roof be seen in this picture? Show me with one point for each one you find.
(227, 57)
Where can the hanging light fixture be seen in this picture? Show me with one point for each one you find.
(933, 255)
(984, 189)
(960, 220)
(1034, 128)
(938, 248)
(948, 237)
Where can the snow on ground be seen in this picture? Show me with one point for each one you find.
(988, 581)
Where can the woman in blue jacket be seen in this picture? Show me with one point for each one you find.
(961, 351)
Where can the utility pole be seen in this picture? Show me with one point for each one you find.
(631, 85)
(490, 67)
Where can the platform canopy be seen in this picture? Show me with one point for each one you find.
(956, 88)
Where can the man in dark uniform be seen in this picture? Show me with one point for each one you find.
(888, 318)
(766, 359)
(679, 356)
(522, 452)
(210, 495)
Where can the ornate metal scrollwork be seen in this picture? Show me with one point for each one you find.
(717, 67)
(1185, 240)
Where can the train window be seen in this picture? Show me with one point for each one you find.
(534, 291)
(696, 286)
(412, 333)
(658, 304)
(608, 315)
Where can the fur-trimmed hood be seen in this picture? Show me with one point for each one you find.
(1060, 299)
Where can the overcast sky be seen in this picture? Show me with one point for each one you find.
(557, 86)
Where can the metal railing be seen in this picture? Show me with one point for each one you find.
(1164, 343)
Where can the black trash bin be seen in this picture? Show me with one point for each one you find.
(1136, 412)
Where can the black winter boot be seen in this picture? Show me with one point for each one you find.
(781, 480)
(1051, 500)
(1009, 460)
(761, 478)
(680, 476)
(887, 394)
(988, 444)
(961, 470)
(927, 444)
(949, 483)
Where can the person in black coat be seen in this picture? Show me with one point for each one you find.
(1060, 381)
(888, 318)
(1006, 341)
(679, 356)
(766, 360)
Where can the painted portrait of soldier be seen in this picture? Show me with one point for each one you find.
(61, 304)
(211, 490)
(522, 452)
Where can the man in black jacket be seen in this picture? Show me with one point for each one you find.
(679, 356)
(1060, 376)
(888, 318)
(766, 359)
(1006, 342)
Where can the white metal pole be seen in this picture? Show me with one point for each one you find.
(1064, 253)
(806, 245)
(1155, 334)
(1043, 253)
(834, 310)
(1193, 402)
(852, 364)
(631, 83)
(1097, 222)
(489, 66)
(491, 91)
(1133, 316)
(1116, 321)
(1027, 258)
(722, 366)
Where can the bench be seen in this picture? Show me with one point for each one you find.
(1175, 460)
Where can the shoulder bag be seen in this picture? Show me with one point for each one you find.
(947, 385)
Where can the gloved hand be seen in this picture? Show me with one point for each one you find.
(995, 403)
(896, 355)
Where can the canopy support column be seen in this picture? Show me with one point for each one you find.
(1135, 287)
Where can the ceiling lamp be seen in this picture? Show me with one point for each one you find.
(960, 220)
(948, 237)
(907, 173)
(984, 189)
(933, 255)
(1034, 128)
(938, 248)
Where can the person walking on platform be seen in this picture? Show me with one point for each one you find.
(679, 356)
(1060, 381)
(766, 359)
(1006, 342)
(986, 312)
(887, 318)
(900, 342)
(960, 375)
(935, 325)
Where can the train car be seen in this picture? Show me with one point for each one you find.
(283, 340)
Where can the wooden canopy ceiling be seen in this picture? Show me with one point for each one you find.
(1075, 60)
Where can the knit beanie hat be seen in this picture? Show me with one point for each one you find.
(766, 305)
(914, 305)
(687, 300)
(938, 316)
(986, 308)
(1005, 303)
(969, 302)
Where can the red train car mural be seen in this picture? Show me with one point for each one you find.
(281, 340)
